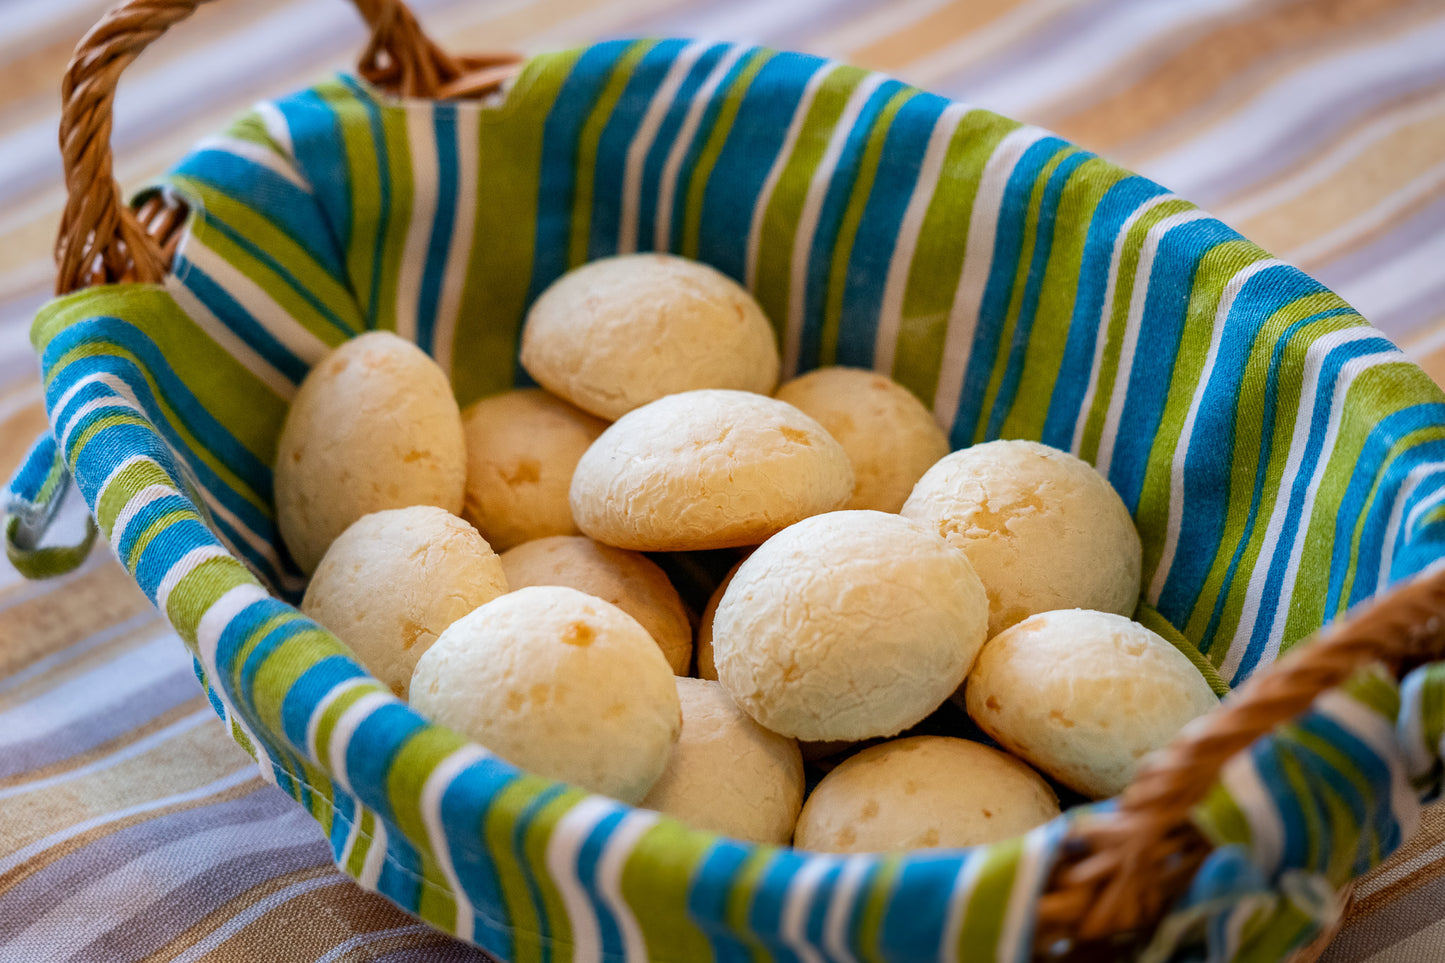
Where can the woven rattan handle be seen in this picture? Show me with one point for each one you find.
(1121, 871)
(101, 240)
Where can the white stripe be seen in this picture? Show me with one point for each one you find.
(255, 911)
(780, 162)
(802, 888)
(637, 150)
(1015, 935)
(98, 377)
(1244, 785)
(26, 853)
(1254, 130)
(264, 310)
(313, 724)
(226, 339)
(890, 313)
(1106, 313)
(667, 185)
(1413, 480)
(345, 728)
(437, 782)
(184, 566)
(609, 879)
(133, 508)
(342, 949)
(959, 897)
(1133, 323)
(95, 404)
(375, 856)
(977, 261)
(1348, 373)
(459, 252)
(277, 128)
(565, 843)
(208, 638)
(421, 143)
(1388, 212)
(1186, 435)
(1378, 733)
(807, 226)
(137, 748)
(254, 153)
(1430, 502)
(840, 908)
(146, 618)
(95, 693)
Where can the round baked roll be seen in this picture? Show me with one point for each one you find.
(394, 580)
(628, 580)
(557, 682)
(612, 335)
(522, 447)
(890, 438)
(728, 774)
(848, 625)
(1084, 696)
(1043, 529)
(924, 792)
(707, 469)
(373, 426)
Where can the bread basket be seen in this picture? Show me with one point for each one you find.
(1280, 457)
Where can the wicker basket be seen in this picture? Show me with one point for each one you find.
(1118, 872)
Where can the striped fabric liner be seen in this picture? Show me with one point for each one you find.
(1021, 286)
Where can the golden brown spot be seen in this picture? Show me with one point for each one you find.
(988, 814)
(909, 787)
(791, 673)
(992, 703)
(579, 634)
(930, 838)
(796, 436)
(296, 455)
(614, 711)
(411, 631)
(397, 690)
(336, 365)
(870, 809)
(515, 701)
(526, 470)
(415, 455)
(540, 692)
(1061, 719)
(847, 837)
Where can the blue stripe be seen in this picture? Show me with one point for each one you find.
(1294, 514)
(230, 313)
(464, 810)
(993, 311)
(610, 171)
(1033, 284)
(747, 155)
(662, 145)
(320, 153)
(589, 859)
(384, 202)
(443, 222)
(769, 896)
(830, 219)
(306, 693)
(709, 892)
(893, 186)
(1114, 208)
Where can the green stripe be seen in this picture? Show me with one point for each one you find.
(498, 831)
(656, 881)
(875, 907)
(540, 829)
(587, 142)
(774, 266)
(398, 222)
(983, 917)
(937, 264)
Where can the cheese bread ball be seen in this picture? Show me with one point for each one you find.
(1084, 696)
(889, 436)
(707, 469)
(613, 335)
(848, 625)
(728, 774)
(521, 449)
(706, 667)
(559, 683)
(1043, 529)
(630, 581)
(924, 792)
(373, 426)
(392, 582)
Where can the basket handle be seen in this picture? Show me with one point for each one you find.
(1121, 870)
(101, 240)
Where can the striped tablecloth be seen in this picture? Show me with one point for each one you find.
(131, 828)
